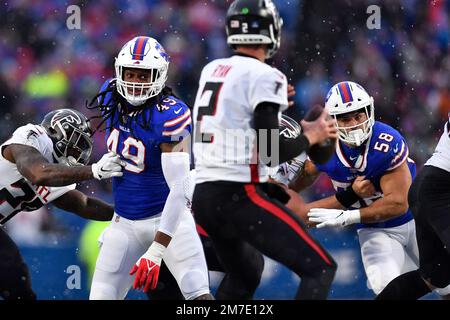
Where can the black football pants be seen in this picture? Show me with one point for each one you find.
(243, 223)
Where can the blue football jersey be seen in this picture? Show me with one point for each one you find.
(385, 150)
(142, 190)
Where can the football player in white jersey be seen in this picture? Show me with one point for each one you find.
(40, 164)
(429, 200)
(237, 96)
(281, 175)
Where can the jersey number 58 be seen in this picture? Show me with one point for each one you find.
(381, 146)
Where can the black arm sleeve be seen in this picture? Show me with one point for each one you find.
(266, 117)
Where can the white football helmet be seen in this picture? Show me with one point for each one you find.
(143, 53)
(346, 97)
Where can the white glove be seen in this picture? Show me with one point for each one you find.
(108, 166)
(333, 217)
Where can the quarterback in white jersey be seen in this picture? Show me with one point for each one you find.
(237, 112)
(224, 112)
(40, 164)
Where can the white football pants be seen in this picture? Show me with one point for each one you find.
(388, 253)
(124, 241)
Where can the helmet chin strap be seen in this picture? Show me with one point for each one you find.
(356, 135)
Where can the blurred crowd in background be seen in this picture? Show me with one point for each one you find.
(404, 65)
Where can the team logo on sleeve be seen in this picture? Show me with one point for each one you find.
(32, 133)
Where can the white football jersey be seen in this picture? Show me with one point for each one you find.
(441, 155)
(17, 193)
(229, 91)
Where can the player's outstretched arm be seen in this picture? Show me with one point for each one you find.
(86, 207)
(341, 200)
(361, 188)
(35, 168)
(394, 185)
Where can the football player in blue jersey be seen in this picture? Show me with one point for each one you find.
(372, 173)
(148, 126)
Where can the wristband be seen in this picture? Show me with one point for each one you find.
(347, 197)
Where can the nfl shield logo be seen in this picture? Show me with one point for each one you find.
(234, 24)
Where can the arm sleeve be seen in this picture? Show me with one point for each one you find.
(176, 172)
(266, 117)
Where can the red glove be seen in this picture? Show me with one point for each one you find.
(147, 268)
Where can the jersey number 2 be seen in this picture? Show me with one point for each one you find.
(133, 150)
(209, 109)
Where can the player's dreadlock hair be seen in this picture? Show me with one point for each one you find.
(118, 104)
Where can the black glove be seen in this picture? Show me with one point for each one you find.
(275, 191)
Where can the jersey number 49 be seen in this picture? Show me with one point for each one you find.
(133, 150)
